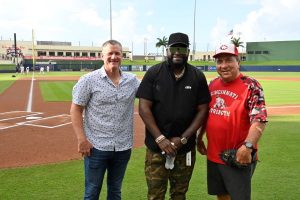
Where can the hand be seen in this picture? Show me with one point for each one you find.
(243, 155)
(168, 147)
(201, 147)
(177, 142)
(84, 147)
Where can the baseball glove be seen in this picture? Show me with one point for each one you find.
(229, 158)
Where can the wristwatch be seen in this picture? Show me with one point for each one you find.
(248, 145)
(183, 140)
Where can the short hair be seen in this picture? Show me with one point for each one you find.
(237, 58)
(112, 42)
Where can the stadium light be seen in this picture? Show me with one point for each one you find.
(110, 19)
(194, 43)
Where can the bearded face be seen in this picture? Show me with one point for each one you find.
(178, 55)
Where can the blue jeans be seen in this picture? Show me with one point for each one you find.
(95, 166)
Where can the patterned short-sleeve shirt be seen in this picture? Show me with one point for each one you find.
(108, 113)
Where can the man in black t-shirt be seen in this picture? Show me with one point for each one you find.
(173, 104)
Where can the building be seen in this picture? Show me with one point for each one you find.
(60, 55)
(203, 55)
(273, 50)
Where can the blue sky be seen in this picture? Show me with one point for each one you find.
(138, 23)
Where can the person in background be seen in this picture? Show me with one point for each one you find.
(27, 70)
(105, 135)
(173, 103)
(237, 118)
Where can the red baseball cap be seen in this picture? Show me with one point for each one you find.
(226, 49)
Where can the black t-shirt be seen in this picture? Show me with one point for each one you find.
(174, 103)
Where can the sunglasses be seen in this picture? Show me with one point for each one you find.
(179, 50)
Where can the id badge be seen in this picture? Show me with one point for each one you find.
(189, 158)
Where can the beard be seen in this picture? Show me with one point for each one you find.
(177, 64)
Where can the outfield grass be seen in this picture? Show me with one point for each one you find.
(281, 92)
(276, 175)
(277, 92)
(211, 63)
(56, 90)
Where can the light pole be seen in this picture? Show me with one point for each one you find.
(145, 46)
(194, 43)
(132, 51)
(110, 19)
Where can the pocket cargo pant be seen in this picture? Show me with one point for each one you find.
(157, 175)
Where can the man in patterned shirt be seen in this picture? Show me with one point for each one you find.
(105, 135)
(237, 119)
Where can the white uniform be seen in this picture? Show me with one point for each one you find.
(22, 69)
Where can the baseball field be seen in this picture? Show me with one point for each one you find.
(38, 149)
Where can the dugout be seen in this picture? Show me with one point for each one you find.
(65, 65)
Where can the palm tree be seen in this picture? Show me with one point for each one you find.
(162, 43)
(238, 43)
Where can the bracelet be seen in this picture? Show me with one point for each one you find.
(159, 139)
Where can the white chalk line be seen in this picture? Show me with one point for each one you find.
(30, 123)
(29, 103)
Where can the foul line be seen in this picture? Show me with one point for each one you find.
(29, 103)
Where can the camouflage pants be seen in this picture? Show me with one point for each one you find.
(157, 176)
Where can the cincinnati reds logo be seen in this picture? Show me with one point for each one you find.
(219, 103)
(223, 47)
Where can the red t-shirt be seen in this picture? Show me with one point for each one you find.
(234, 106)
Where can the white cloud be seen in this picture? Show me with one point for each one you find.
(275, 20)
(219, 33)
(89, 17)
(134, 20)
(149, 13)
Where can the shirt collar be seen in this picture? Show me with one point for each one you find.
(104, 74)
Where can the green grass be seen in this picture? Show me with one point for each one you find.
(276, 92)
(4, 85)
(281, 92)
(59, 73)
(278, 171)
(211, 63)
(56, 91)
(276, 175)
(6, 80)
(7, 66)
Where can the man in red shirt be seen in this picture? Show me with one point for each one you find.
(237, 118)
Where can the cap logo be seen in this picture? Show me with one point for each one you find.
(223, 47)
